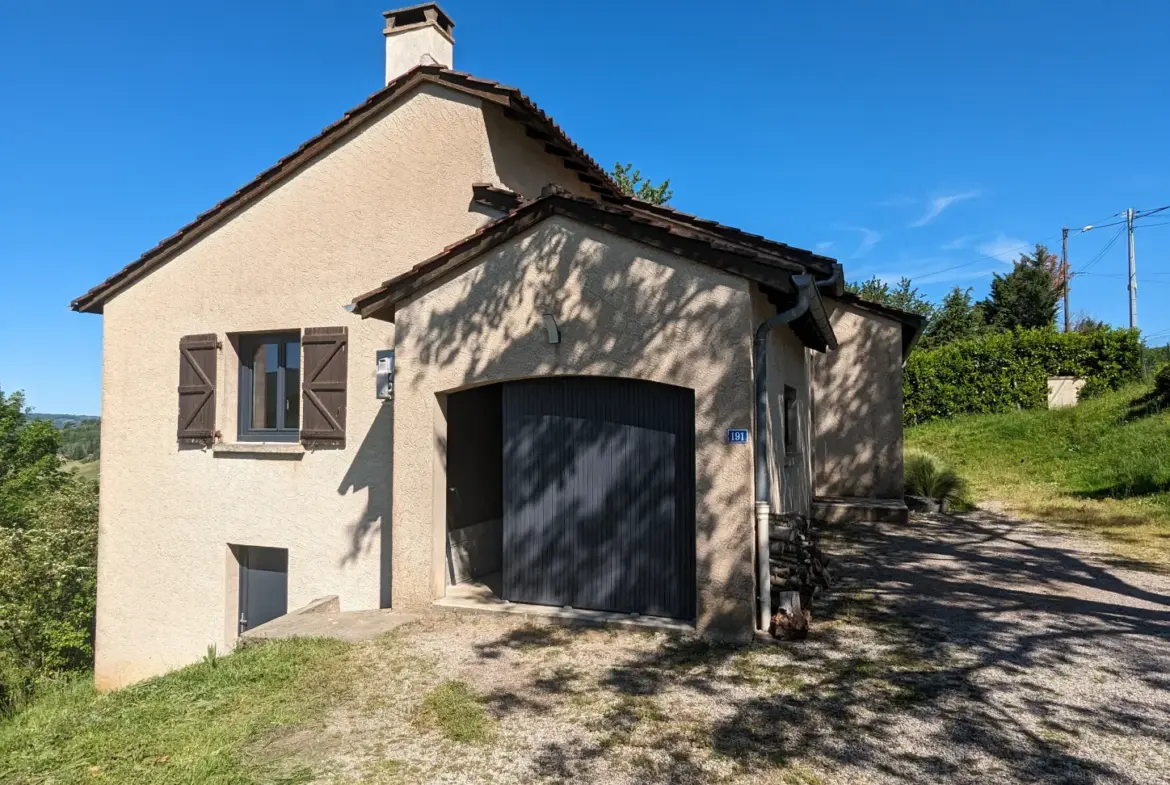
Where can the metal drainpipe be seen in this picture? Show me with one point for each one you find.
(804, 284)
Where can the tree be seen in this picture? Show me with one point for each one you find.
(630, 181)
(905, 296)
(1027, 296)
(957, 318)
(29, 464)
(1083, 323)
(81, 441)
(48, 556)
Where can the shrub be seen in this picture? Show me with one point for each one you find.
(1005, 371)
(48, 555)
(930, 478)
(1162, 385)
(1094, 388)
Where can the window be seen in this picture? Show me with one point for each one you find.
(789, 419)
(270, 387)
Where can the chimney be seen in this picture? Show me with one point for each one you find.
(418, 34)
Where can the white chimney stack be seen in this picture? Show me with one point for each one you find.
(418, 34)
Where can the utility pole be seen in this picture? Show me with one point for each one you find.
(1064, 270)
(1132, 272)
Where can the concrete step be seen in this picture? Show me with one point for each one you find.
(322, 618)
(843, 509)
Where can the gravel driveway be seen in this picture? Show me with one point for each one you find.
(971, 649)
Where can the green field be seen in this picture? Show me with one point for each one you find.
(1102, 466)
(86, 469)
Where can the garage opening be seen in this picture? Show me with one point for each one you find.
(574, 491)
(475, 487)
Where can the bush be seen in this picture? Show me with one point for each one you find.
(930, 478)
(1005, 371)
(48, 558)
(1162, 385)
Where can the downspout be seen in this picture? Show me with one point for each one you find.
(804, 286)
(831, 281)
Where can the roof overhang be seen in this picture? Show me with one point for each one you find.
(768, 271)
(812, 327)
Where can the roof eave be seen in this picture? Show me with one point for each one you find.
(381, 302)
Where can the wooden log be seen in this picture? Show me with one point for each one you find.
(790, 621)
(781, 533)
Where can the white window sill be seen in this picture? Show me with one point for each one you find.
(259, 448)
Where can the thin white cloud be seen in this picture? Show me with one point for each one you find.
(940, 203)
(869, 238)
(897, 201)
(1003, 248)
(824, 246)
(959, 243)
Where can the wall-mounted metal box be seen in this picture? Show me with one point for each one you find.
(384, 375)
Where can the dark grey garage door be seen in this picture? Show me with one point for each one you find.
(599, 495)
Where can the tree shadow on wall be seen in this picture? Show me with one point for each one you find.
(372, 470)
(616, 318)
(858, 397)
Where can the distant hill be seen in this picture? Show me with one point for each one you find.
(80, 434)
(63, 420)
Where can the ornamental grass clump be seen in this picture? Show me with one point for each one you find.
(930, 478)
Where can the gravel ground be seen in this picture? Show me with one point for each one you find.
(970, 649)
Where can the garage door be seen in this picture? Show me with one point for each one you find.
(599, 495)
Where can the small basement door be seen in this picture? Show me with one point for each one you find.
(599, 495)
(263, 585)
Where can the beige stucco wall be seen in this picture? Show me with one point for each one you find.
(857, 407)
(624, 309)
(788, 365)
(381, 201)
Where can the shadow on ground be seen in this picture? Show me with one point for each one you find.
(996, 654)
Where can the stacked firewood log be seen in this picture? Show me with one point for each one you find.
(799, 568)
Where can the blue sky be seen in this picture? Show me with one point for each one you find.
(902, 137)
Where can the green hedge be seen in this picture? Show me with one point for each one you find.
(1000, 372)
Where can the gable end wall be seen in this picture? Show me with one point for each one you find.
(382, 200)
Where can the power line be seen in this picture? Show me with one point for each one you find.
(1144, 213)
(1120, 275)
(1101, 253)
(986, 256)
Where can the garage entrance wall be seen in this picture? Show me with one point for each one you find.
(623, 310)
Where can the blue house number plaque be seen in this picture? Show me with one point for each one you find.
(737, 436)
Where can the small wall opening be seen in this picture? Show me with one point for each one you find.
(475, 505)
(263, 585)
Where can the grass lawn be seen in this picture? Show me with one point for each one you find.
(1103, 466)
(953, 651)
(193, 726)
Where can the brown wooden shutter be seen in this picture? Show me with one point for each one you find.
(323, 386)
(198, 360)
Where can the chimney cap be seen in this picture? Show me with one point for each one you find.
(417, 16)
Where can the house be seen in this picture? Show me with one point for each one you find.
(571, 419)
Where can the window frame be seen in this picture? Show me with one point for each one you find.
(247, 345)
(790, 402)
